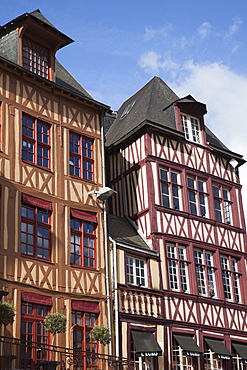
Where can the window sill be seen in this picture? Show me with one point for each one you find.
(39, 167)
(37, 259)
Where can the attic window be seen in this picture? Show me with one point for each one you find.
(35, 58)
(191, 128)
(127, 109)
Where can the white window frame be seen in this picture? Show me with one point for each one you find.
(197, 196)
(222, 204)
(191, 128)
(211, 362)
(170, 188)
(205, 272)
(182, 361)
(230, 278)
(136, 271)
(177, 266)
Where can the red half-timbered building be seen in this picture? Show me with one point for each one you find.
(51, 229)
(179, 185)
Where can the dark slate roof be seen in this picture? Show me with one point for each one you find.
(66, 80)
(147, 105)
(38, 17)
(37, 14)
(9, 52)
(153, 106)
(122, 231)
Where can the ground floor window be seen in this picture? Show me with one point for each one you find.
(34, 337)
(85, 349)
(182, 360)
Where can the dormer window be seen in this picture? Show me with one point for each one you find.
(191, 128)
(35, 58)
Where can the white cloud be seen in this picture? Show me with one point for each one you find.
(150, 61)
(235, 26)
(204, 30)
(153, 62)
(151, 33)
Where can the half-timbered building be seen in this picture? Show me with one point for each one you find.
(51, 229)
(185, 306)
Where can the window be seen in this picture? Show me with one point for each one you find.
(239, 359)
(36, 230)
(136, 273)
(198, 203)
(205, 272)
(230, 276)
(82, 243)
(35, 141)
(170, 188)
(35, 58)
(191, 128)
(177, 267)
(84, 347)
(212, 362)
(127, 109)
(184, 359)
(81, 156)
(222, 204)
(33, 330)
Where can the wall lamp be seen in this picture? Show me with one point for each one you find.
(103, 194)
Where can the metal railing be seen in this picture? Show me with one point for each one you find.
(17, 354)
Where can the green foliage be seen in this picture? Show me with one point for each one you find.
(55, 323)
(101, 334)
(7, 314)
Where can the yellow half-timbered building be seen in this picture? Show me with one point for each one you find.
(51, 228)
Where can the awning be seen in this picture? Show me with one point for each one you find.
(241, 350)
(188, 344)
(218, 347)
(145, 344)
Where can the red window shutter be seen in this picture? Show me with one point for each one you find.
(85, 216)
(36, 202)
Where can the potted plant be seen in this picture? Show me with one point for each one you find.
(101, 334)
(54, 323)
(7, 315)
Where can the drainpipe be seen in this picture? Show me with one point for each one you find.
(108, 301)
(115, 288)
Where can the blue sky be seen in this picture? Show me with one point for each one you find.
(196, 47)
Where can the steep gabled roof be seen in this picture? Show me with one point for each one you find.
(36, 20)
(66, 80)
(37, 17)
(147, 105)
(153, 106)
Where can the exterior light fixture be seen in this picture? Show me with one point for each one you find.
(103, 194)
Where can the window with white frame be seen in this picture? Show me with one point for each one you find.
(183, 360)
(222, 204)
(205, 272)
(170, 188)
(191, 128)
(238, 362)
(230, 277)
(197, 196)
(136, 271)
(177, 267)
(211, 362)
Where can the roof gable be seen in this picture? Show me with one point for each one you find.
(147, 105)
